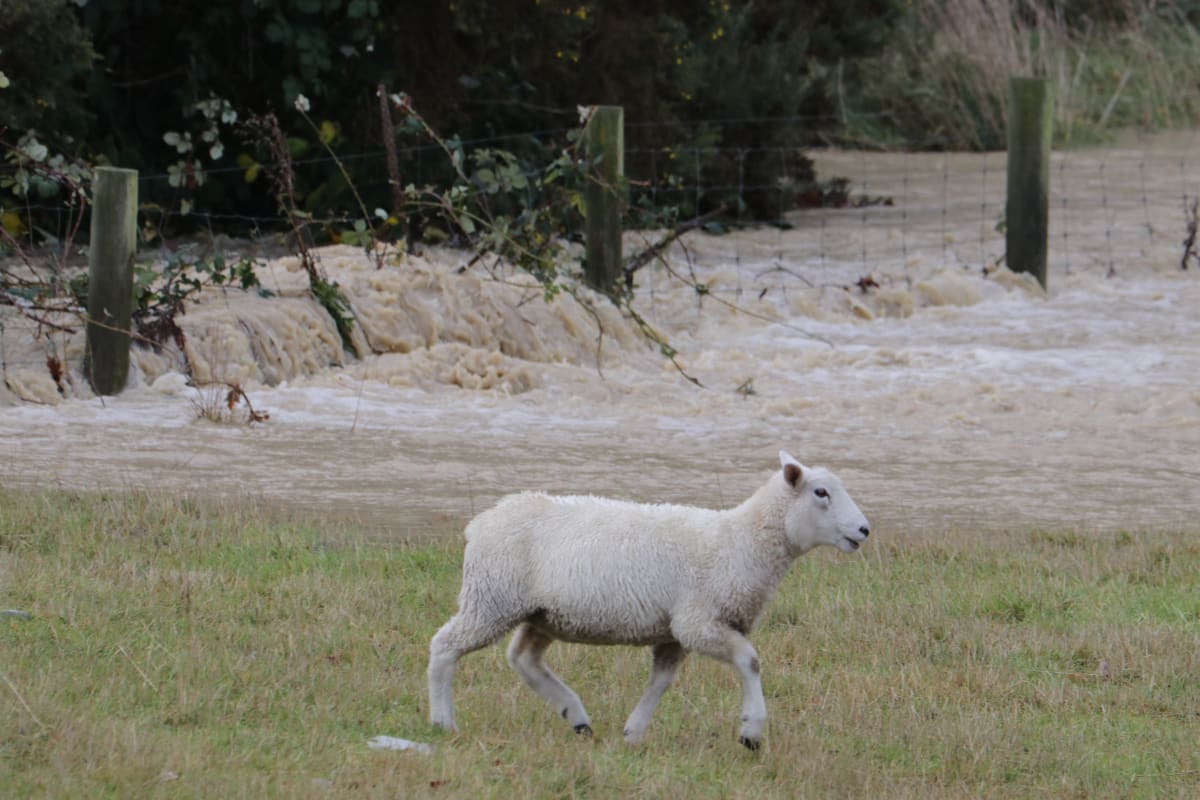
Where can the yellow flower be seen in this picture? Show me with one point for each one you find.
(12, 223)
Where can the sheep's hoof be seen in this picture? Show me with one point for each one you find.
(750, 744)
(583, 729)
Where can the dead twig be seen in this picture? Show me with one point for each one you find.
(229, 395)
(145, 678)
(24, 705)
(1191, 212)
(652, 252)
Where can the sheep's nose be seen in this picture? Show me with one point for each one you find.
(864, 530)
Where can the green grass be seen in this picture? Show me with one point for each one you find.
(942, 79)
(175, 649)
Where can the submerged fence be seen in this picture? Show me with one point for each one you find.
(1125, 206)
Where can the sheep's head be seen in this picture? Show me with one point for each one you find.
(821, 511)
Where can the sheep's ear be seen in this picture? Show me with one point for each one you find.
(792, 469)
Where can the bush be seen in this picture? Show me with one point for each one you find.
(44, 56)
(479, 68)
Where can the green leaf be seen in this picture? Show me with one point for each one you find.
(487, 179)
(277, 32)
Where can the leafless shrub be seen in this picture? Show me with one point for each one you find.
(226, 402)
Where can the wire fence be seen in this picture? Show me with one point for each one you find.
(1113, 209)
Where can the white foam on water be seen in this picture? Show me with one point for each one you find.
(944, 397)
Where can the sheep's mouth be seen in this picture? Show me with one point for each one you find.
(851, 543)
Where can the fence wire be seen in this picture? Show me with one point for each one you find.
(1112, 209)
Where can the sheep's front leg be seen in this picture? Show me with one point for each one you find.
(525, 655)
(726, 644)
(667, 658)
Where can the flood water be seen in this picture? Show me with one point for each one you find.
(880, 341)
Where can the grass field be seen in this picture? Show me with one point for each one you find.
(169, 648)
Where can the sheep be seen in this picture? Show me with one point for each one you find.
(674, 578)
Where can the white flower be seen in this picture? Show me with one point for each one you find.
(36, 150)
(216, 151)
(182, 144)
(209, 108)
(302, 103)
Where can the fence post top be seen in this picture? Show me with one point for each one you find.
(115, 171)
(1026, 83)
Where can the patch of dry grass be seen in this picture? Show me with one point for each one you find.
(178, 649)
(943, 82)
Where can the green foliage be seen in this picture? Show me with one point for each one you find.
(331, 298)
(721, 98)
(476, 67)
(31, 173)
(509, 208)
(44, 56)
(162, 294)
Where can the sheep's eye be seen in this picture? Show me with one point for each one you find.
(821, 493)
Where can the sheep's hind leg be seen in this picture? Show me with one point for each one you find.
(525, 655)
(667, 658)
(726, 644)
(456, 638)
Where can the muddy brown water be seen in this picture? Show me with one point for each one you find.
(945, 397)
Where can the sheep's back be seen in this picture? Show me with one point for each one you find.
(593, 569)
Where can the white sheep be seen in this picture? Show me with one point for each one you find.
(675, 578)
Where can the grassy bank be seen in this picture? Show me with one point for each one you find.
(172, 649)
(942, 81)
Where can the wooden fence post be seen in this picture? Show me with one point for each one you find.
(110, 278)
(1027, 209)
(605, 139)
